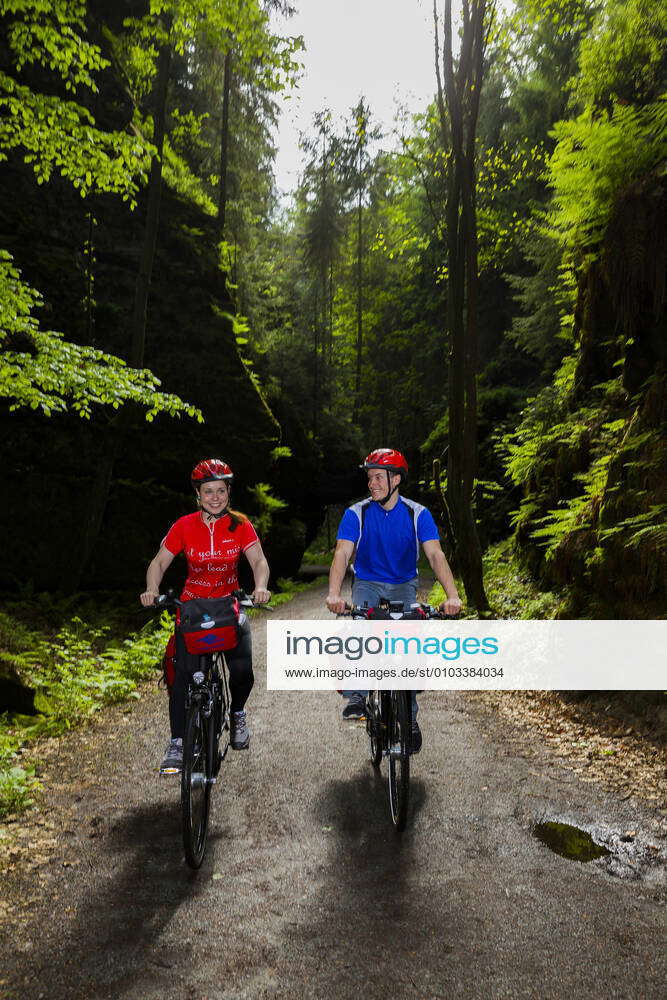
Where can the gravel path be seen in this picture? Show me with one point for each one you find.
(306, 891)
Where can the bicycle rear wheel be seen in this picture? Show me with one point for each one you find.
(399, 757)
(195, 785)
(373, 727)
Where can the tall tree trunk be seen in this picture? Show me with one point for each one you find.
(462, 88)
(224, 146)
(90, 273)
(119, 424)
(152, 213)
(360, 288)
(316, 363)
(331, 298)
(324, 289)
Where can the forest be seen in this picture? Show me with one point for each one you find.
(482, 287)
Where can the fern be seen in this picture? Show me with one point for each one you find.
(596, 157)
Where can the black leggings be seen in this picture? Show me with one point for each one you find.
(241, 679)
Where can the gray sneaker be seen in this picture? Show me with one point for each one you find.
(355, 708)
(240, 734)
(173, 759)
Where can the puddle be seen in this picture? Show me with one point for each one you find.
(569, 841)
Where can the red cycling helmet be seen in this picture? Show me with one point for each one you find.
(391, 461)
(209, 470)
(387, 458)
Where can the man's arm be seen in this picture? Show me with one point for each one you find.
(341, 558)
(436, 557)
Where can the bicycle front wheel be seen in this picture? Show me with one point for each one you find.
(399, 757)
(195, 785)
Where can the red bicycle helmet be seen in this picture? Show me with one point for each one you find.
(209, 470)
(387, 458)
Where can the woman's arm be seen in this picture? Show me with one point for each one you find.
(157, 567)
(260, 571)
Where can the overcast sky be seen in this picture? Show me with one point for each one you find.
(382, 49)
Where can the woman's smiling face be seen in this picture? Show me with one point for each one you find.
(214, 497)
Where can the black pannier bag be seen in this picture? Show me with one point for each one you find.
(210, 625)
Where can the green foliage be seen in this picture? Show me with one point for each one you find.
(506, 171)
(512, 592)
(40, 369)
(649, 528)
(596, 158)
(622, 59)
(52, 375)
(544, 299)
(587, 472)
(55, 134)
(241, 24)
(266, 505)
(14, 636)
(543, 425)
(577, 514)
(18, 783)
(281, 451)
(51, 35)
(74, 674)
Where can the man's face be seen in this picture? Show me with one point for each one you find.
(377, 483)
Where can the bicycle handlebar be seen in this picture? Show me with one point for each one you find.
(170, 601)
(429, 611)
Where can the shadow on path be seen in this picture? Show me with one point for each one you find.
(362, 914)
(140, 880)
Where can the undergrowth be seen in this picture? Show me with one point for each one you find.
(511, 591)
(73, 674)
(74, 671)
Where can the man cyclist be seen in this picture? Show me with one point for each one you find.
(386, 531)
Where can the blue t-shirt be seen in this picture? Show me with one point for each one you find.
(388, 549)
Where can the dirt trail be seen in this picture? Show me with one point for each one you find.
(306, 891)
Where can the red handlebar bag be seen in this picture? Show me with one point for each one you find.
(210, 625)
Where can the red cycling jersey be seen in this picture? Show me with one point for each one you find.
(212, 552)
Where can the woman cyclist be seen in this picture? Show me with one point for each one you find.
(212, 540)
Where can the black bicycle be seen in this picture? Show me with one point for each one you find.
(207, 723)
(389, 714)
